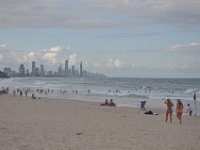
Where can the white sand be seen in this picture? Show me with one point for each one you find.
(54, 124)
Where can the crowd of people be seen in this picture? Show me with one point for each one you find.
(168, 102)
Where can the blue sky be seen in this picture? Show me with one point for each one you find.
(123, 38)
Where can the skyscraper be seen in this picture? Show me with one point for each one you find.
(22, 70)
(73, 70)
(81, 69)
(66, 68)
(33, 68)
(37, 71)
(7, 71)
(60, 71)
(42, 70)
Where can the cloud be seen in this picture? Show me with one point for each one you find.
(52, 54)
(73, 59)
(119, 63)
(2, 46)
(98, 13)
(192, 47)
(50, 57)
(111, 63)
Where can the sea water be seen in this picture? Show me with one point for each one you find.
(126, 92)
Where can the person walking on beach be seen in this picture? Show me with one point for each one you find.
(142, 105)
(169, 104)
(179, 110)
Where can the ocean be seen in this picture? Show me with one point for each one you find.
(127, 92)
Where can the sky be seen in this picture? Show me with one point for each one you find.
(119, 38)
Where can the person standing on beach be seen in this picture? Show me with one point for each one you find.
(179, 110)
(169, 104)
(189, 110)
(142, 105)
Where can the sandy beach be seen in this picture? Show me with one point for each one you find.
(56, 124)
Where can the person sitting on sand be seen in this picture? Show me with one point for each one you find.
(33, 96)
(106, 103)
(169, 109)
(112, 104)
(179, 110)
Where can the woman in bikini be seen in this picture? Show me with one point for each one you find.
(179, 110)
(169, 109)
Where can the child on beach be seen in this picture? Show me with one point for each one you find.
(179, 110)
(169, 109)
(142, 105)
(189, 110)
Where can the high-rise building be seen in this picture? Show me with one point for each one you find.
(42, 70)
(27, 72)
(49, 73)
(81, 69)
(7, 71)
(33, 68)
(66, 68)
(73, 70)
(60, 70)
(22, 70)
(37, 71)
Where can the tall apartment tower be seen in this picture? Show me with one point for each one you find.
(60, 71)
(42, 70)
(81, 69)
(22, 70)
(66, 68)
(73, 70)
(33, 68)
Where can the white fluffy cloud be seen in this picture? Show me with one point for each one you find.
(50, 58)
(73, 59)
(111, 64)
(117, 63)
(2, 46)
(52, 54)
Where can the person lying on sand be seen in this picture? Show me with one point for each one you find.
(150, 113)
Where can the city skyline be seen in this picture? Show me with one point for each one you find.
(119, 38)
(41, 71)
